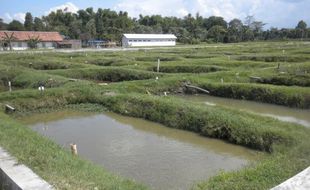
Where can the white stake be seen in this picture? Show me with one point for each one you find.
(10, 86)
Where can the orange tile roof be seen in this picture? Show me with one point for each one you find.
(25, 35)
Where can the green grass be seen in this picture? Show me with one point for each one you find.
(134, 91)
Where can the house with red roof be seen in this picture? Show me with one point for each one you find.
(19, 39)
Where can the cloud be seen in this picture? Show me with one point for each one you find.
(17, 16)
(20, 16)
(68, 7)
(278, 13)
(148, 7)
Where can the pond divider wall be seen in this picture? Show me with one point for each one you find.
(15, 176)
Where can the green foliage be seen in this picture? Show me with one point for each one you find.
(38, 24)
(28, 24)
(15, 25)
(33, 42)
(111, 25)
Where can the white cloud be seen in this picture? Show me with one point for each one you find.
(7, 17)
(17, 16)
(148, 7)
(68, 7)
(20, 16)
(279, 13)
(228, 9)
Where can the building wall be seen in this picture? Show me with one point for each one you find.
(49, 45)
(24, 45)
(19, 45)
(147, 42)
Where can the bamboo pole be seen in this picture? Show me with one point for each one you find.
(197, 88)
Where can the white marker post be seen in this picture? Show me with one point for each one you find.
(158, 63)
(10, 86)
(41, 89)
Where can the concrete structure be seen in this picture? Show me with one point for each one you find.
(301, 181)
(15, 176)
(71, 44)
(19, 42)
(140, 40)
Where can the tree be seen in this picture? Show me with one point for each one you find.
(28, 24)
(16, 25)
(33, 42)
(191, 25)
(38, 24)
(91, 28)
(253, 27)
(214, 21)
(3, 25)
(217, 33)
(249, 20)
(301, 25)
(7, 39)
(235, 28)
(75, 29)
(301, 29)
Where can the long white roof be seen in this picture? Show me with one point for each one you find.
(150, 36)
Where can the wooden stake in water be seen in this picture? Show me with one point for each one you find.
(10, 86)
(158, 63)
(73, 149)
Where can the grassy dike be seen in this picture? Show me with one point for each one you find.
(287, 144)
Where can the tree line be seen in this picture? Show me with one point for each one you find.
(110, 25)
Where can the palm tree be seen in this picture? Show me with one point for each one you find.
(33, 42)
(7, 39)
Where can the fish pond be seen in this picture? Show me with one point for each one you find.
(147, 152)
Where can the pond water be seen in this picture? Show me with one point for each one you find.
(299, 116)
(147, 152)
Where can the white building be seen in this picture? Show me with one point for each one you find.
(20, 39)
(139, 40)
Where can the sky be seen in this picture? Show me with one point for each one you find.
(275, 13)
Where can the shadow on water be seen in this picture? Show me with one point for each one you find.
(160, 157)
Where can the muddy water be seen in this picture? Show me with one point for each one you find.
(149, 153)
(299, 116)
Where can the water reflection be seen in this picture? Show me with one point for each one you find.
(299, 116)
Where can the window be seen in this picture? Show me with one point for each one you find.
(20, 44)
(43, 44)
(130, 40)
